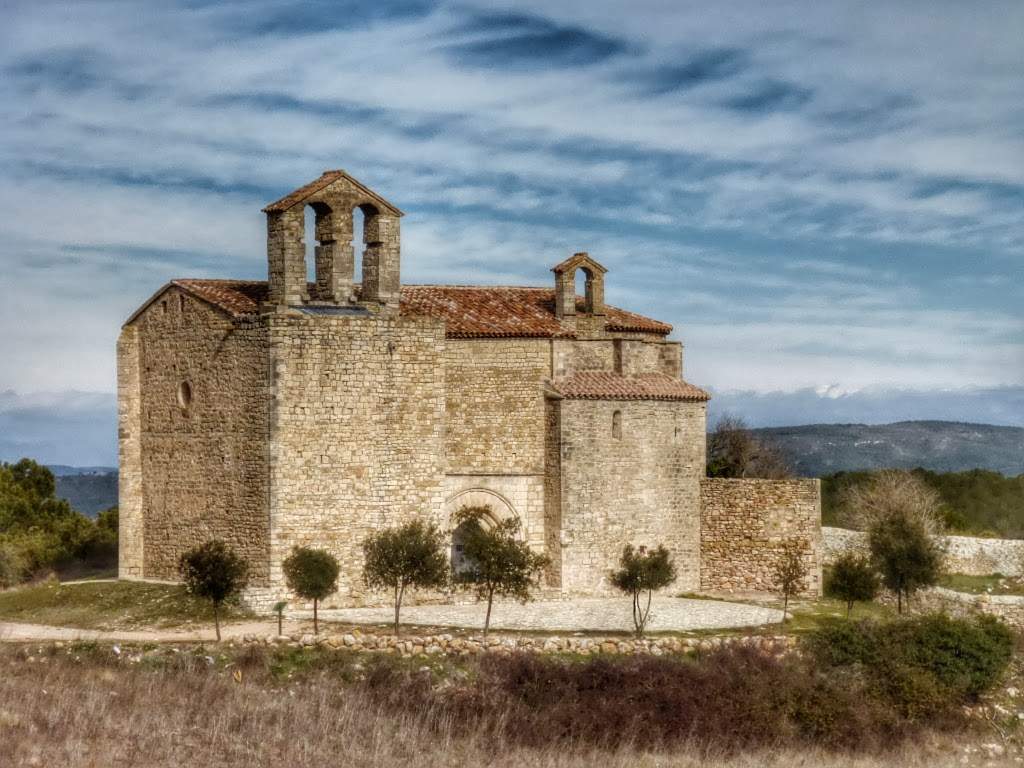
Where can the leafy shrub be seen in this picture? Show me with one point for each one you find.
(213, 572)
(922, 665)
(642, 571)
(44, 532)
(496, 561)
(411, 555)
(312, 574)
(11, 566)
(851, 579)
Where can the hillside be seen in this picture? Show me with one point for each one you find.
(942, 446)
(90, 491)
(976, 502)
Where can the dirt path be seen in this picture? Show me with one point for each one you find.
(16, 632)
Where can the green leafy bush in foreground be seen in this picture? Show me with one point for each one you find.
(920, 665)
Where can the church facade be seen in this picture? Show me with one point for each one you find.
(288, 412)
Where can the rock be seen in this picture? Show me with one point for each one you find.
(307, 640)
(349, 640)
(608, 647)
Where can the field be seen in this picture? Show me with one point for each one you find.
(90, 705)
(107, 605)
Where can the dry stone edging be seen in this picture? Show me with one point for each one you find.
(445, 644)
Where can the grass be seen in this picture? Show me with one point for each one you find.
(807, 615)
(993, 584)
(107, 605)
(85, 705)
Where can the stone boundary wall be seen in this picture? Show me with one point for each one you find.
(964, 554)
(1009, 608)
(414, 645)
(745, 525)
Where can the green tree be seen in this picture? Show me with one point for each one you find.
(213, 572)
(643, 571)
(852, 579)
(906, 554)
(411, 555)
(496, 562)
(790, 573)
(312, 574)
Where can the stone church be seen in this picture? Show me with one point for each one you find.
(287, 412)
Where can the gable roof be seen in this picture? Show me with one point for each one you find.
(602, 385)
(468, 311)
(326, 179)
(577, 260)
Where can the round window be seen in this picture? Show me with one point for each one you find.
(184, 394)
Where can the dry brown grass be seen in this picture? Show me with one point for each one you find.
(89, 708)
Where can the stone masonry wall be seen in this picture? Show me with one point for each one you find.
(202, 426)
(969, 555)
(746, 523)
(495, 405)
(130, 554)
(357, 435)
(642, 488)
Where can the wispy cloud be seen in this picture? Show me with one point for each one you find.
(805, 197)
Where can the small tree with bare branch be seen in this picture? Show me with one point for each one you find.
(790, 573)
(734, 451)
(643, 571)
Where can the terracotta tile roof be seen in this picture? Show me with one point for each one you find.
(602, 385)
(468, 311)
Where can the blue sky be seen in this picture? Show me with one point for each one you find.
(825, 198)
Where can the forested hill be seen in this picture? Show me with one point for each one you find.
(941, 446)
(89, 490)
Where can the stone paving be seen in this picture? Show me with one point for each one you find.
(591, 614)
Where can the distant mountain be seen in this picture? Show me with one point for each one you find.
(62, 470)
(941, 446)
(88, 489)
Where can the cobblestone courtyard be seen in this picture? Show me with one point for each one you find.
(592, 614)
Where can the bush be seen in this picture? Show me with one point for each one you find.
(733, 699)
(922, 665)
(642, 571)
(411, 555)
(497, 562)
(11, 566)
(215, 573)
(851, 579)
(906, 555)
(312, 574)
(44, 532)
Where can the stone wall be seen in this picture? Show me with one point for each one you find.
(964, 554)
(356, 436)
(196, 436)
(495, 405)
(642, 488)
(745, 525)
(130, 554)
(1009, 608)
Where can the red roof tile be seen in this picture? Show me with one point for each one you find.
(468, 311)
(601, 385)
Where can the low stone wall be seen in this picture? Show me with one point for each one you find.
(1009, 608)
(964, 554)
(746, 525)
(409, 646)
